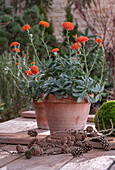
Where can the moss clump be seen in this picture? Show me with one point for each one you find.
(104, 114)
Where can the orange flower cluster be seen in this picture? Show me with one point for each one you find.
(28, 72)
(17, 64)
(44, 24)
(16, 49)
(68, 26)
(25, 27)
(98, 40)
(55, 50)
(14, 43)
(74, 36)
(74, 59)
(32, 62)
(76, 46)
(23, 55)
(82, 39)
(34, 70)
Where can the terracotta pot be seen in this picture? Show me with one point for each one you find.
(65, 114)
(40, 115)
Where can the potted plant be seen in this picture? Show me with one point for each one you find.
(64, 80)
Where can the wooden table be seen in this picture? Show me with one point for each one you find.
(15, 132)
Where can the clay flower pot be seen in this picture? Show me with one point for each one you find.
(65, 114)
(40, 115)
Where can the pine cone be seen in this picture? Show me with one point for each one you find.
(70, 143)
(79, 143)
(107, 147)
(84, 135)
(87, 146)
(73, 138)
(36, 151)
(89, 129)
(19, 149)
(78, 137)
(28, 154)
(76, 151)
(32, 133)
(69, 138)
(64, 140)
(93, 134)
(65, 148)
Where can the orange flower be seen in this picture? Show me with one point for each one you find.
(25, 27)
(98, 40)
(68, 26)
(82, 39)
(76, 46)
(14, 43)
(74, 36)
(17, 64)
(34, 70)
(32, 62)
(101, 45)
(23, 55)
(55, 50)
(16, 49)
(74, 59)
(28, 72)
(44, 24)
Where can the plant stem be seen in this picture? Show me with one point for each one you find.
(68, 42)
(42, 39)
(85, 59)
(102, 67)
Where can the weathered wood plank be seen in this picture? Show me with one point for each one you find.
(20, 138)
(18, 125)
(31, 114)
(51, 162)
(6, 158)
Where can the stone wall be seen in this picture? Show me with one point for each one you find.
(57, 15)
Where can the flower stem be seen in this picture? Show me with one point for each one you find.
(103, 60)
(68, 42)
(87, 72)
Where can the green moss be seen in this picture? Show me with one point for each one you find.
(104, 114)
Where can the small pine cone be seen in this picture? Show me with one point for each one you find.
(93, 134)
(19, 149)
(70, 143)
(79, 143)
(78, 137)
(64, 140)
(84, 135)
(89, 129)
(28, 154)
(69, 138)
(32, 133)
(34, 141)
(87, 146)
(107, 147)
(73, 138)
(76, 151)
(65, 148)
(36, 151)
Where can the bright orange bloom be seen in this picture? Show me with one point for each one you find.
(32, 62)
(55, 50)
(23, 55)
(14, 43)
(68, 26)
(34, 70)
(16, 49)
(76, 46)
(44, 24)
(74, 59)
(25, 27)
(101, 45)
(28, 72)
(82, 39)
(98, 40)
(74, 36)
(17, 64)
